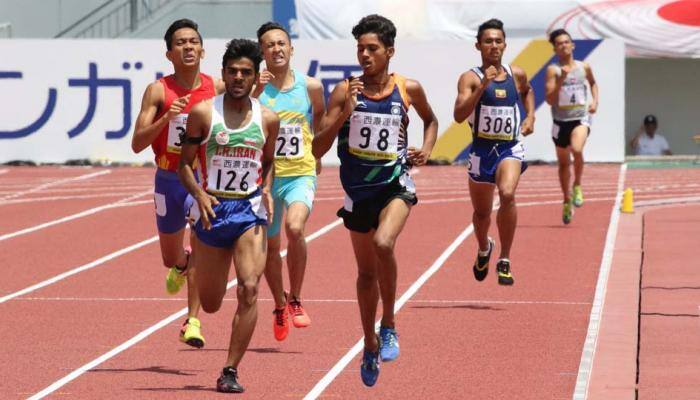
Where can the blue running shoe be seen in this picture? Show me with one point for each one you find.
(388, 344)
(369, 369)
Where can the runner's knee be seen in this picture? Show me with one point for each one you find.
(295, 230)
(210, 304)
(247, 291)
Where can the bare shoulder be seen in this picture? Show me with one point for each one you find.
(268, 115)
(413, 85)
(313, 83)
(518, 72)
(219, 86)
(154, 93)
(201, 109)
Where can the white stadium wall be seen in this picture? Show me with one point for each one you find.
(46, 89)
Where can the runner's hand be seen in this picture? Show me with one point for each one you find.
(263, 79)
(205, 203)
(593, 107)
(564, 72)
(528, 126)
(269, 204)
(489, 75)
(354, 87)
(177, 106)
(417, 157)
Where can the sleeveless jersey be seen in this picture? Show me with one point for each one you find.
(168, 144)
(293, 156)
(572, 100)
(496, 117)
(232, 165)
(372, 144)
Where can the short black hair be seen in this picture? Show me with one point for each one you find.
(239, 48)
(179, 24)
(556, 33)
(493, 23)
(270, 26)
(382, 26)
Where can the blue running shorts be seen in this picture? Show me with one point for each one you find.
(485, 158)
(233, 218)
(287, 190)
(169, 197)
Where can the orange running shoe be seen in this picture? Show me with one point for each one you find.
(280, 323)
(299, 317)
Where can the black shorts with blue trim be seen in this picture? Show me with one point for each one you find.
(363, 216)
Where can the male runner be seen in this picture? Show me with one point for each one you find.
(566, 92)
(371, 113)
(238, 139)
(489, 96)
(298, 101)
(161, 125)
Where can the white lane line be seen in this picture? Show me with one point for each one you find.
(148, 331)
(3, 171)
(588, 354)
(345, 360)
(306, 300)
(674, 200)
(79, 269)
(56, 198)
(58, 182)
(73, 216)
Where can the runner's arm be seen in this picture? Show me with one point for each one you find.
(318, 109)
(469, 91)
(528, 96)
(340, 107)
(552, 85)
(198, 122)
(430, 123)
(593, 107)
(146, 129)
(272, 126)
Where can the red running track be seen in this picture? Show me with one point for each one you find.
(459, 338)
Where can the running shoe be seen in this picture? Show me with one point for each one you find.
(299, 317)
(567, 213)
(191, 333)
(578, 196)
(369, 369)
(280, 323)
(388, 344)
(228, 381)
(504, 276)
(176, 276)
(481, 265)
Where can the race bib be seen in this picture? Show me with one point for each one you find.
(572, 96)
(374, 136)
(497, 123)
(176, 133)
(234, 176)
(290, 142)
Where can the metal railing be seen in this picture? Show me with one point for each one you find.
(112, 19)
(5, 30)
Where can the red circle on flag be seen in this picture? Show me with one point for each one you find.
(684, 12)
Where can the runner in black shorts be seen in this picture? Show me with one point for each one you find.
(567, 93)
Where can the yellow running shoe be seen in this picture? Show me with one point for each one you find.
(191, 333)
(567, 212)
(174, 280)
(176, 277)
(578, 196)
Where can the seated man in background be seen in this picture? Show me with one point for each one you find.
(647, 142)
